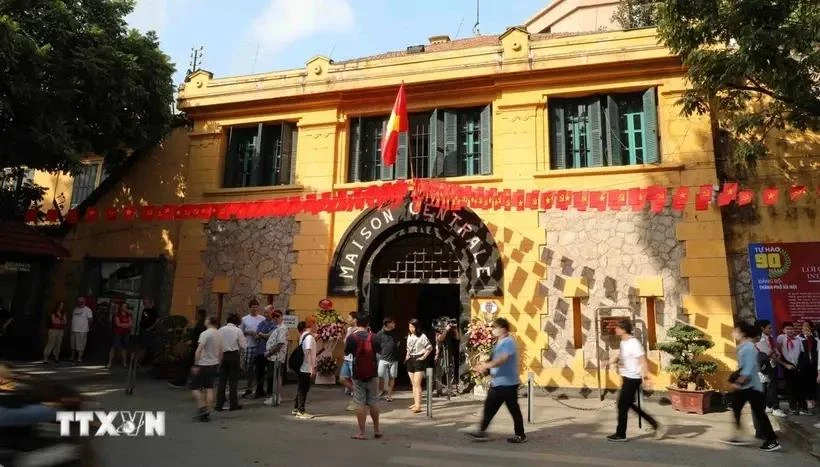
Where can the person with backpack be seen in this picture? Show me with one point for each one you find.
(364, 347)
(303, 361)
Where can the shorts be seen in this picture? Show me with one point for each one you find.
(78, 340)
(347, 370)
(120, 341)
(388, 369)
(205, 377)
(414, 365)
(365, 393)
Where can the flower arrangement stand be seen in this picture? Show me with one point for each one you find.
(325, 379)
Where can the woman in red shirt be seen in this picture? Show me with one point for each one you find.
(122, 329)
(56, 327)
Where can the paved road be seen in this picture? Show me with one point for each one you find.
(265, 436)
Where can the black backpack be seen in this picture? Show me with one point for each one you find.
(297, 357)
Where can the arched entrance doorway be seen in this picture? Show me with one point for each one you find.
(422, 263)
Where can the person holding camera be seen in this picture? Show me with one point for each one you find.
(448, 346)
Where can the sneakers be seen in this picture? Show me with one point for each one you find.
(734, 441)
(304, 416)
(268, 401)
(769, 410)
(779, 413)
(804, 413)
(660, 432)
(517, 439)
(294, 412)
(351, 406)
(617, 438)
(479, 435)
(770, 446)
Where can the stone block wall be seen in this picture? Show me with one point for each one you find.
(610, 250)
(248, 251)
(740, 276)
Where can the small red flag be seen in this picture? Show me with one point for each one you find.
(771, 196)
(397, 123)
(563, 199)
(547, 200)
(519, 200)
(656, 193)
(745, 197)
(724, 198)
(617, 199)
(51, 215)
(730, 190)
(702, 203)
(680, 198)
(797, 191)
(129, 213)
(506, 199)
(111, 214)
(705, 191)
(637, 198)
(532, 200)
(148, 213)
(166, 213)
(580, 200)
(657, 205)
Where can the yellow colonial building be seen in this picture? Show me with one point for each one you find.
(519, 110)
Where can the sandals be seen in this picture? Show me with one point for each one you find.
(359, 437)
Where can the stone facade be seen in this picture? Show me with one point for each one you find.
(248, 251)
(610, 250)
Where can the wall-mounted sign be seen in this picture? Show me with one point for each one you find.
(609, 323)
(461, 229)
(325, 304)
(17, 267)
(786, 281)
(290, 321)
(490, 308)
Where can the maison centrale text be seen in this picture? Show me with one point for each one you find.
(453, 224)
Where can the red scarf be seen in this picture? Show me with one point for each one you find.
(789, 343)
(809, 343)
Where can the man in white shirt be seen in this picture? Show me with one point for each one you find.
(233, 342)
(790, 347)
(206, 364)
(306, 371)
(250, 323)
(80, 325)
(276, 349)
(633, 371)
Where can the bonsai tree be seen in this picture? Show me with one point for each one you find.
(686, 345)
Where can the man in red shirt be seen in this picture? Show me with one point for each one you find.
(122, 330)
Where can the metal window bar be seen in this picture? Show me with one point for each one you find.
(469, 142)
(418, 262)
(419, 146)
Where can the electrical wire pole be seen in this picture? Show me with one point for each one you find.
(476, 31)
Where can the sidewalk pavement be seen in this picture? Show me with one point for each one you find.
(571, 430)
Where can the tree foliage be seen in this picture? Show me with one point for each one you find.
(636, 14)
(686, 345)
(753, 64)
(76, 81)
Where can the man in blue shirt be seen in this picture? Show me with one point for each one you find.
(503, 367)
(263, 331)
(748, 388)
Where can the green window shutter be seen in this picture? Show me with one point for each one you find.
(486, 163)
(595, 125)
(285, 154)
(401, 156)
(228, 180)
(558, 142)
(436, 162)
(291, 177)
(355, 150)
(650, 111)
(386, 172)
(613, 133)
(451, 153)
(257, 165)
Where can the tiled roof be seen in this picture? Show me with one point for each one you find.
(457, 44)
(19, 238)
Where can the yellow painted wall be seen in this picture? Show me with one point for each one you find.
(517, 75)
(158, 178)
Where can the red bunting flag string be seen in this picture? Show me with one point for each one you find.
(445, 195)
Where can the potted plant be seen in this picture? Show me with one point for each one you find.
(326, 368)
(690, 392)
(171, 347)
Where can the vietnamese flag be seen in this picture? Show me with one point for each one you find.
(73, 216)
(705, 192)
(771, 196)
(617, 199)
(396, 124)
(91, 214)
(745, 197)
(547, 199)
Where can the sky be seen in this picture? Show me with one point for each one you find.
(256, 36)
